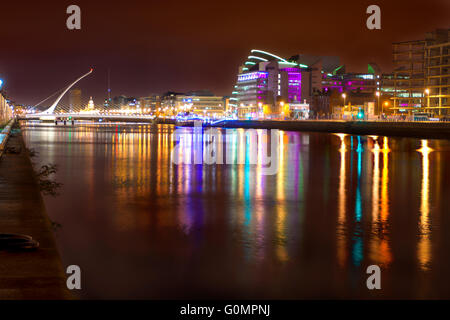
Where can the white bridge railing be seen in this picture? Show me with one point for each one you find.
(43, 116)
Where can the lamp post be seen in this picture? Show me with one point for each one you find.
(427, 92)
(343, 96)
(378, 97)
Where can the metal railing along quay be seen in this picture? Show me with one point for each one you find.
(4, 135)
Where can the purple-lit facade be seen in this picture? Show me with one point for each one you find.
(265, 80)
(258, 88)
(294, 84)
(351, 82)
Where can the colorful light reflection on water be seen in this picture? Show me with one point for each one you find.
(142, 227)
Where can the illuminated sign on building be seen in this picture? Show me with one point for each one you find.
(366, 76)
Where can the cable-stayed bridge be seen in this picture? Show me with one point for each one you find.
(51, 110)
(51, 113)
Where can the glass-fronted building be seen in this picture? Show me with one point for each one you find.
(266, 81)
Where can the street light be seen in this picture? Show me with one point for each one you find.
(386, 104)
(427, 92)
(378, 96)
(282, 109)
(343, 96)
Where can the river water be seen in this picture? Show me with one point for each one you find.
(141, 226)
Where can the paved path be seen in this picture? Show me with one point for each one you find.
(431, 130)
(27, 275)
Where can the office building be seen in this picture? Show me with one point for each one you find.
(151, 103)
(437, 72)
(421, 74)
(202, 102)
(75, 104)
(5, 110)
(271, 86)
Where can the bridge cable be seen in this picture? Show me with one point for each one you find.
(60, 90)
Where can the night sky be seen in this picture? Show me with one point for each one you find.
(156, 46)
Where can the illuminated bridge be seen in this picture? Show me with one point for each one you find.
(50, 114)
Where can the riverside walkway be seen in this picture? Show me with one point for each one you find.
(35, 274)
(431, 130)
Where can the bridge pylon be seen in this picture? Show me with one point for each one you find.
(51, 110)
